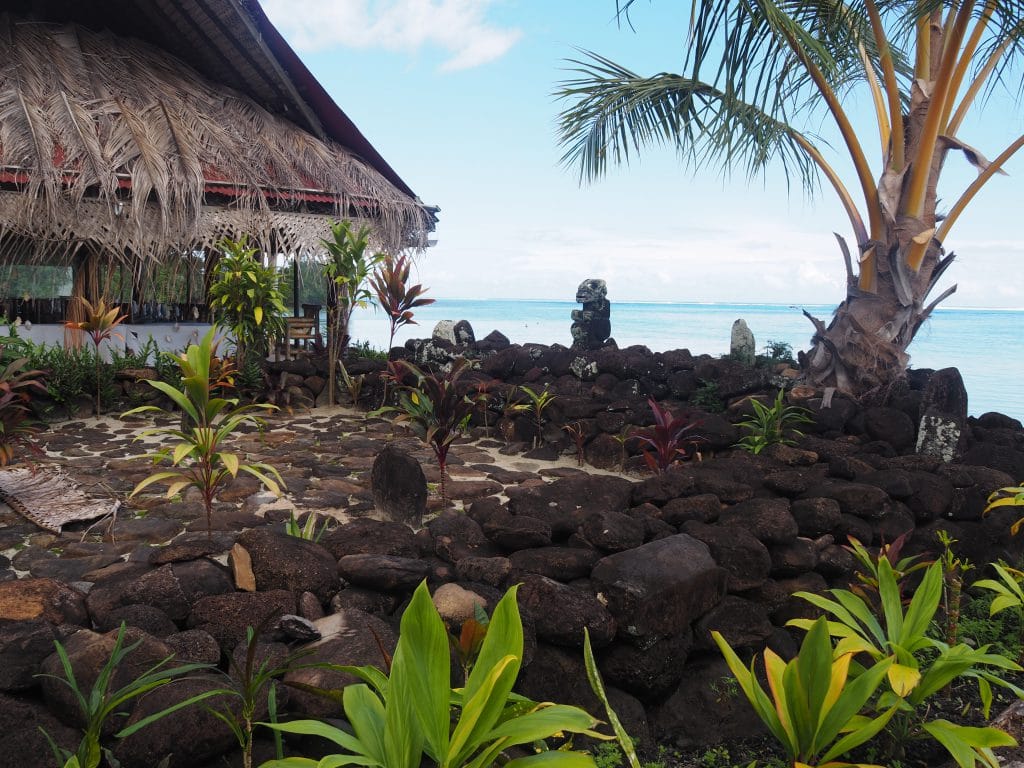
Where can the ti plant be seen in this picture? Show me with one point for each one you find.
(396, 297)
(920, 666)
(578, 432)
(665, 443)
(347, 271)
(771, 425)
(433, 407)
(248, 297)
(413, 716)
(537, 403)
(99, 324)
(813, 704)
(17, 426)
(100, 703)
(197, 456)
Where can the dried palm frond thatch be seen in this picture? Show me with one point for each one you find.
(112, 144)
(48, 497)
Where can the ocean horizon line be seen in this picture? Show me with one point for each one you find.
(712, 303)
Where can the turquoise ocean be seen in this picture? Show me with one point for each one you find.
(984, 344)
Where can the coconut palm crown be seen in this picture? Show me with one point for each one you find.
(758, 72)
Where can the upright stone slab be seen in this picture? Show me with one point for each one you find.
(741, 343)
(660, 589)
(942, 430)
(399, 486)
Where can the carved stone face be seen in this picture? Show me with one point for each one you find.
(591, 290)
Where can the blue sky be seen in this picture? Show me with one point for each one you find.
(456, 95)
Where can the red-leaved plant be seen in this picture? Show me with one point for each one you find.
(666, 443)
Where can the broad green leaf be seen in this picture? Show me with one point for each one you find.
(231, 462)
(365, 712)
(903, 679)
(157, 477)
(423, 655)
(967, 744)
(554, 760)
(542, 723)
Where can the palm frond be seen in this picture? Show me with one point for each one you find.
(615, 113)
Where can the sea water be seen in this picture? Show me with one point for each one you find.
(984, 344)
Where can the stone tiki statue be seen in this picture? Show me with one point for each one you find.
(592, 325)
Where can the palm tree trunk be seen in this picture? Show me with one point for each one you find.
(863, 350)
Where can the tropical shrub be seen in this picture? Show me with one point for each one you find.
(390, 283)
(100, 703)
(197, 454)
(398, 720)
(920, 666)
(813, 708)
(1012, 496)
(307, 529)
(347, 271)
(666, 443)
(537, 403)
(17, 422)
(433, 407)
(248, 298)
(772, 424)
(1007, 594)
(99, 324)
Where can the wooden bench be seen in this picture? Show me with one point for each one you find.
(299, 330)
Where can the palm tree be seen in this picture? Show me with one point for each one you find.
(776, 67)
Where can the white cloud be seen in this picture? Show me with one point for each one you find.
(457, 27)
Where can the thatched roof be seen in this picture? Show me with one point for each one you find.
(116, 142)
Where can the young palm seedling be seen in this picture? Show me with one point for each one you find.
(538, 403)
(433, 407)
(197, 454)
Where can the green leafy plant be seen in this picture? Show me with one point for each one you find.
(197, 456)
(1012, 496)
(1007, 595)
(537, 403)
(777, 352)
(706, 397)
(252, 684)
(597, 686)
(866, 585)
(307, 529)
(666, 442)
(433, 407)
(920, 665)
(347, 271)
(813, 705)
(353, 384)
(99, 704)
(772, 424)
(399, 719)
(99, 324)
(247, 295)
(17, 423)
